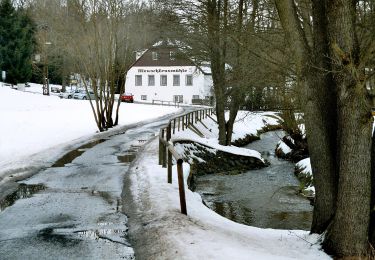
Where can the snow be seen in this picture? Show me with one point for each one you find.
(247, 123)
(32, 123)
(283, 147)
(212, 143)
(203, 234)
(305, 165)
(252, 122)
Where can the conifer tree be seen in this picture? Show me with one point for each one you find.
(16, 43)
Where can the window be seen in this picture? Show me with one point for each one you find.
(178, 98)
(176, 80)
(172, 55)
(151, 80)
(195, 96)
(138, 80)
(189, 80)
(143, 97)
(163, 80)
(155, 55)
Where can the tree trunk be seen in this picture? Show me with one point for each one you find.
(319, 105)
(217, 65)
(321, 123)
(348, 234)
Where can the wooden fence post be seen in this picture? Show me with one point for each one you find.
(181, 187)
(162, 148)
(160, 151)
(169, 154)
(174, 125)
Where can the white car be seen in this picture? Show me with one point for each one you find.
(68, 94)
(84, 95)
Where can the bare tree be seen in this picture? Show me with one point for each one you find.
(338, 119)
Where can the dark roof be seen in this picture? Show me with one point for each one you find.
(163, 51)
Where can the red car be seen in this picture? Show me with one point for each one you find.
(127, 97)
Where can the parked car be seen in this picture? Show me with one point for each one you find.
(127, 97)
(55, 89)
(68, 94)
(84, 95)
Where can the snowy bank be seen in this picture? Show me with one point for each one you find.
(247, 123)
(33, 123)
(155, 220)
(304, 174)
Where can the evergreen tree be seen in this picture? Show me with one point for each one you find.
(16, 43)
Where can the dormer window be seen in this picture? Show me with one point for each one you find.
(172, 55)
(155, 55)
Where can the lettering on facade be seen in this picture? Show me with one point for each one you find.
(161, 70)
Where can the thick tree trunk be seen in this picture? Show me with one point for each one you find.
(348, 234)
(217, 64)
(321, 123)
(321, 151)
(319, 105)
(372, 215)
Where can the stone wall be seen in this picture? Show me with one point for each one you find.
(205, 160)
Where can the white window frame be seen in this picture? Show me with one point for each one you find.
(161, 80)
(186, 80)
(151, 77)
(172, 55)
(176, 83)
(155, 55)
(136, 80)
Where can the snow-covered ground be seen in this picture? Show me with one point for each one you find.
(304, 168)
(31, 122)
(247, 123)
(202, 234)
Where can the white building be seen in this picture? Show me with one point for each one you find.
(160, 73)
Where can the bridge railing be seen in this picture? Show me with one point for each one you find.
(166, 103)
(167, 151)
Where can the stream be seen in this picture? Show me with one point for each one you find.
(266, 198)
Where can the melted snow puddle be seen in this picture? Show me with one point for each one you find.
(70, 156)
(23, 191)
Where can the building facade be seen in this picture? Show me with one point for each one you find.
(161, 74)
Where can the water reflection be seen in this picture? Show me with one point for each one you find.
(266, 197)
(70, 156)
(23, 191)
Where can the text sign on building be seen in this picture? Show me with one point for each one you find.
(161, 70)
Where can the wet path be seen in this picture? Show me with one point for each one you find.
(73, 209)
(264, 198)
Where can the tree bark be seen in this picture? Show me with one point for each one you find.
(319, 105)
(348, 234)
(217, 65)
(321, 123)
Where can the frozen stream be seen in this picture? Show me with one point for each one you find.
(264, 198)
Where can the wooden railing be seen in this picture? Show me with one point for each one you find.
(167, 151)
(166, 103)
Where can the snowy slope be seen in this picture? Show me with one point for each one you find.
(31, 122)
